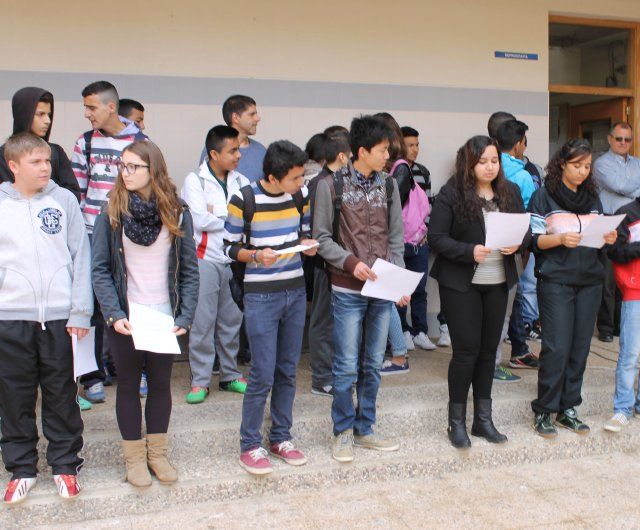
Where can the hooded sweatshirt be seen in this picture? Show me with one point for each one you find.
(45, 264)
(514, 171)
(23, 105)
(97, 176)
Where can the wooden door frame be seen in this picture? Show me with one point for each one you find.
(633, 92)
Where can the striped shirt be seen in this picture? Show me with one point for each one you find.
(104, 157)
(276, 224)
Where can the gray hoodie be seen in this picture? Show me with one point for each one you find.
(45, 262)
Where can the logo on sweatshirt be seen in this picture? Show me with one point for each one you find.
(50, 218)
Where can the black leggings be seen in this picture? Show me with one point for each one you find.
(475, 319)
(129, 363)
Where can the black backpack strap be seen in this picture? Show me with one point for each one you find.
(248, 210)
(388, 182)
(298, 199)
(87, 149)
(338, 188)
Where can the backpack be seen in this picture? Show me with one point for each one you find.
(249, 209)
(87, 146)
(415, 211)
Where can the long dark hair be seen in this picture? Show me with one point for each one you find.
(469, 205)
(397, 148)
(574, 150)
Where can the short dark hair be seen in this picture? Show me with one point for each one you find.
(333, 129)
(336, 143)
(235, 104)
(409, 131)
(316, 147)
(622, 125)
(217, 136)
(367, 131)
(125, 106)
(281, 157)
(510, 133)
(104, 89)
(497, 119)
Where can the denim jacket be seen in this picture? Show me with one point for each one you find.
(109, 271)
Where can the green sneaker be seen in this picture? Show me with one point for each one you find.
(237, 385)
(569, 420)
(197, 395)
(84, 404)
(504, 375)
(544, 426)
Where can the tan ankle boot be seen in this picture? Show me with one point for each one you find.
(157, 458)
(135, 458)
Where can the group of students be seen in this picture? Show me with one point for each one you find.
(218, 258)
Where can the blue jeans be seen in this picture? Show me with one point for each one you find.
(350, 311)
(416, 259)
(275, 324)
(527, 286)
(624, 398)
(517, 333)
(396, 336)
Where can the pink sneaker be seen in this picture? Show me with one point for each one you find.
(288, 452)
(18, 489)
(67, 485)
(256, 461)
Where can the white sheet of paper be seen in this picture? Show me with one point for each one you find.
(151, 330)
(393, 282)
(593, 234)
(506, 229)
(293, 250)
(84, 357)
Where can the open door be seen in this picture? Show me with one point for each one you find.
(593, 120)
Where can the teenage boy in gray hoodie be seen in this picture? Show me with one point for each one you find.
(46, 297)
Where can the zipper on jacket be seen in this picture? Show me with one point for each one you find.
(35, 242)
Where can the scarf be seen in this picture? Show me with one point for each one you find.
(143, 224)
(580, 202)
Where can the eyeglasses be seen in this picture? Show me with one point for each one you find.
(624, 139)
(129, 168)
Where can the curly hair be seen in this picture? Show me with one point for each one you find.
(469, 205)
(574, 150)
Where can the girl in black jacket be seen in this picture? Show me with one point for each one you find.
(474, 281)
(144, 252)
(569, 287)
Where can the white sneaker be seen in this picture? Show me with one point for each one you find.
(422, 341)
(444, 341)
(616, 423)
(408, 341)
(18, 489)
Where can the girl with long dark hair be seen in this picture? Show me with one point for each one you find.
(474, 281)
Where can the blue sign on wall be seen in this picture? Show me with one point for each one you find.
(516, 55)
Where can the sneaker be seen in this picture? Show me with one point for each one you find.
(504, 375)
(237, 385)
(326, 390)
(144, 389)
(286, 451)
(256, 461)
(524, 361)
(444, 341)
(18, 489)
(422, 341)
(616, 423)
(84, 404)
(216, 366)
(408, 341)
(533, 333)
(544, 426)
(343, 447)
(95, 393)
(68, 486)
(197, 395)
(569, 420)
(506, 340)
(371, 441)
(388, 368)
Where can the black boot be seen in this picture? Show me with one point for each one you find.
(483, 424)
(457, 429)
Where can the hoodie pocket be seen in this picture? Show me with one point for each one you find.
(59, 288)
(16, 291)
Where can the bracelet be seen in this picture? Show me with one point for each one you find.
(254, 256)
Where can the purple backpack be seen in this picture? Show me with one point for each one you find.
(415, 211)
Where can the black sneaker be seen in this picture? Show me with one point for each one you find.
(524, 361)
(325, 390)
(569, 420)
(533, 333)
(544, 426)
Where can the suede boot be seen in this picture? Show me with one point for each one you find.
(135, 458)
(457, 429)
(483, 424)
(157, 458)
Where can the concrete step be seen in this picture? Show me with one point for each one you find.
(207, 477)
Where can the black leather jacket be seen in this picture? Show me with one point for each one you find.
(109, 272)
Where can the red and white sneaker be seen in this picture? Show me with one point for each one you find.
(255, 461)
(68, 486)
(288, 452)
(18, 489)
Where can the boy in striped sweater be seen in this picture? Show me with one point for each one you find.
(274, 297)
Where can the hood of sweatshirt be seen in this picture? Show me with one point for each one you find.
(23, 105)
(511, 165)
